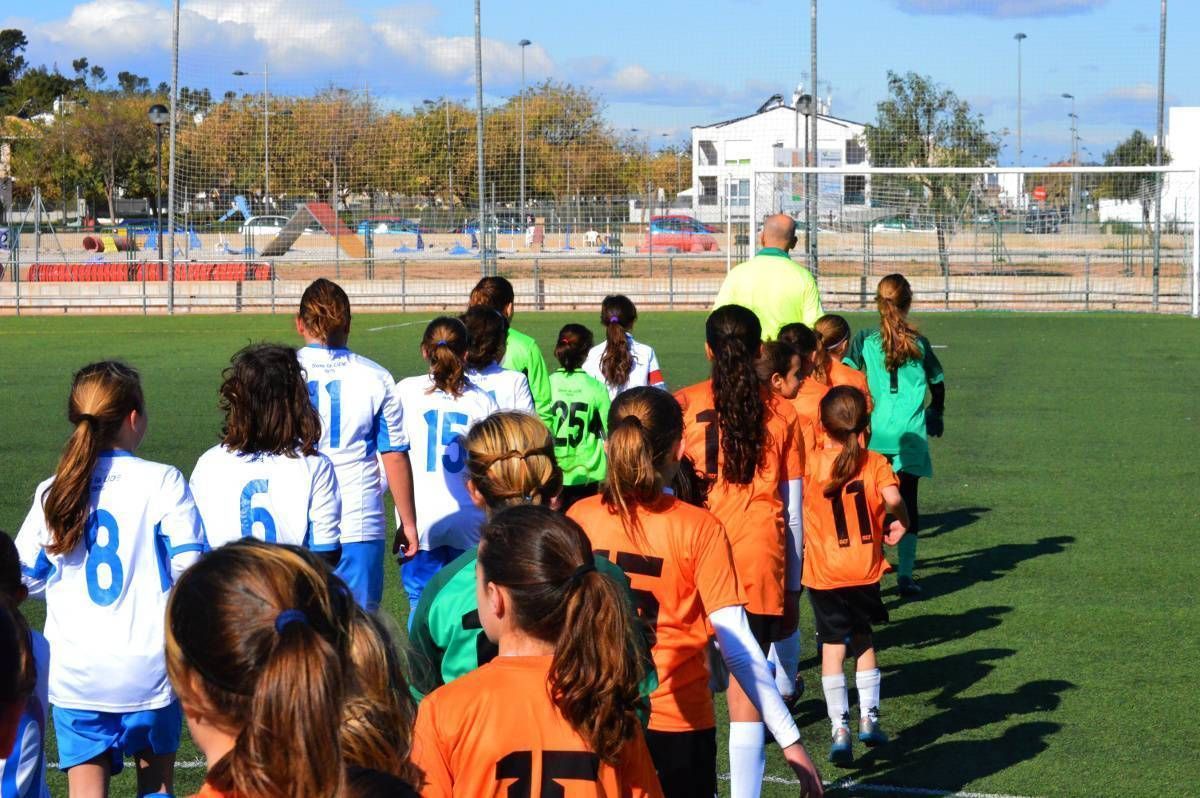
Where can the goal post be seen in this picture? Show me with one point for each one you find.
(1021, 238)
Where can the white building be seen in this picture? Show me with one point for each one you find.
(726, 154)
(1180, 197)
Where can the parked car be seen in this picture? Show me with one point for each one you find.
(900, 224)
(385, 225)
(1042, 220)
(680, 234)
(263, 226)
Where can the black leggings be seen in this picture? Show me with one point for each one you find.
(908, 492)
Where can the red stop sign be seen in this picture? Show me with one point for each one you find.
(1039, 193)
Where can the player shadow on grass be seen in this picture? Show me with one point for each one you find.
(926, 630)
(941, 576)
(934, 524)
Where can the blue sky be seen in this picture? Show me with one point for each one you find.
(666, 65)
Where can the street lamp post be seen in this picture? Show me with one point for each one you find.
(805, 104)
(159, 115)
(266, 76)
(1020, 37)
(521, 200)
(1074, 117)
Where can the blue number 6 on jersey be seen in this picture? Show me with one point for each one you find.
(252, 515)
(103, 555)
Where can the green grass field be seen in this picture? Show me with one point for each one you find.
(1049, 656)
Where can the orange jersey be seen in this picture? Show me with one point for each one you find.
(753, 513)
(495, 732)
(843, 536)
(681, 570)
(807, 403)
(841, 374)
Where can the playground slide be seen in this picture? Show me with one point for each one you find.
(323, 214)
(239, 206)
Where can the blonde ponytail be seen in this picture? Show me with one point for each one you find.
(894, 297)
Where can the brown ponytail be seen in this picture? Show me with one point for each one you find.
(444, 346)
(545, 562)
(574, 343)
(644, 428)
(894, 297)
(734, 335)
(256, 641)
(325, 312)
(617, 314)
(377, 720)
(487, 331)
(808, 345)
(510, 460)
(844, 416)
(102, 397)
(833, 330)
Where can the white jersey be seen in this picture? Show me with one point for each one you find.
(508, 388)
(272, 497)
(645, 369)
(435, 422)
(360, 416)
(106, 599)
(23, 772)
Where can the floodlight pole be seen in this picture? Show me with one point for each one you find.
(171, 165)
(521, 199)
(479, 137)
(1020, 37)
(1158, 151)
(810, 156)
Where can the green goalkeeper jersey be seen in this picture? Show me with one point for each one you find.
(521, 354)
(447, 637)
(579, 422)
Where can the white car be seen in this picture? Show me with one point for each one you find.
(263, 226)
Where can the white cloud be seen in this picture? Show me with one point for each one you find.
(1001, 8)
(1138, 92)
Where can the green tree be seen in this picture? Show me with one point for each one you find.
(924, 124)
(12, 63)
(1137, 150)
(115, 145)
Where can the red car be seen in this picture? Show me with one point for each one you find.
(679, 234)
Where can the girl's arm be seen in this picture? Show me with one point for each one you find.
(895, 505)
(36, 567)
(792, 494)
(180, 526)
(934, 425)
(746, 662)
(400, 484)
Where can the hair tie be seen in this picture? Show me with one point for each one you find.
(582, 571)
(563, 341)
(440, 342)
(89, 418)
(287, 617)
(614, 319)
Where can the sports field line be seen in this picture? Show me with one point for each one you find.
(397, 326)
(862, 786)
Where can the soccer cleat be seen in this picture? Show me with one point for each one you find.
(908, 587)
(792, 702)
(869, 731)
(840, 752)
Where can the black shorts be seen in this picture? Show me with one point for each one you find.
(765, 628)
(686, 762)
(573, 493)
(845, 611)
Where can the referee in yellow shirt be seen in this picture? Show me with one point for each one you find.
(778, 290)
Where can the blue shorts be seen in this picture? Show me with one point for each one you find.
(361, 568)
(84, 734)
(417, 572)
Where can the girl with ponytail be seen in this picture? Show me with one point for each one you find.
(258, 641)
(834, 332)
(510, 462)
(557, 704)
(580, 412)
(621, 362)
(106, 538)
(679, 562)
(901, 370)
(439, 408)
(849, 490)
(746, 442)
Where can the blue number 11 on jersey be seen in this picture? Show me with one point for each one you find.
(334, 389)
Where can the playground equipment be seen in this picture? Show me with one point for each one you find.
(322, 214)
(109, 243)
(240, 205)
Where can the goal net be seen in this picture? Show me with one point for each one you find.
(1028, 239)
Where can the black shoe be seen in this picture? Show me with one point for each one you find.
(908, 587)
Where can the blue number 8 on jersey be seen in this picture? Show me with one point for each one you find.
(105, 554)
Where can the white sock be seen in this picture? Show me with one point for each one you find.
(867, 683)
(835, 700)
(785, 656)
(747, 759)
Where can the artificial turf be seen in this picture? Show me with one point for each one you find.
(1049, 654)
